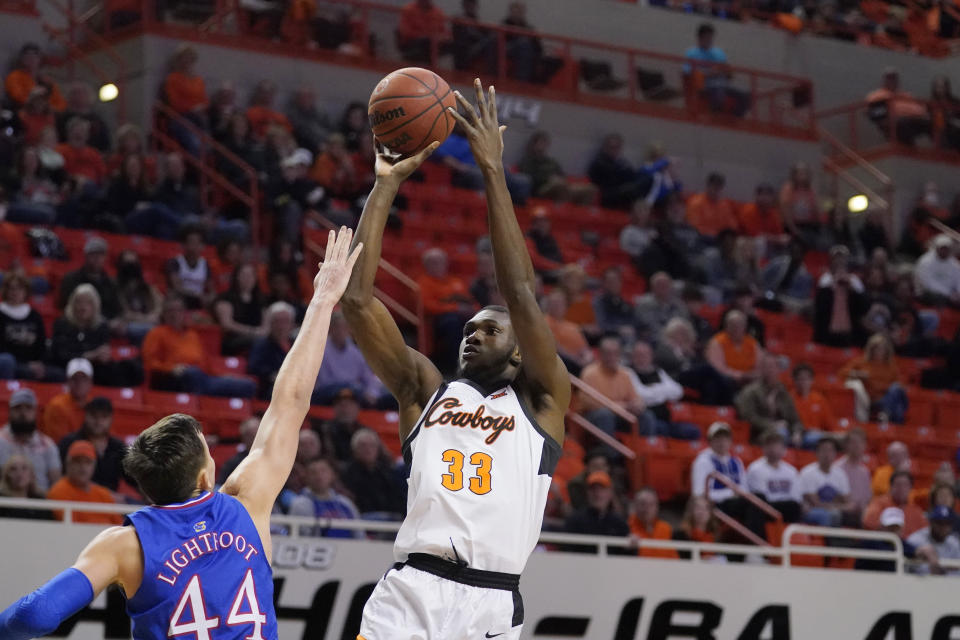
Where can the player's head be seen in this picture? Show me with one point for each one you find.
(488, 351)
(170, 460)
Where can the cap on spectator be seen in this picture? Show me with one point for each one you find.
(300, 157)
(99, 404)
(891, 516)
(23, 396)
(81, 449)
(79, 365)
(891, 71)
(942, 240)
(96, 244)
(345, 394)
(599, 477)
(941, 513)
(719, 428)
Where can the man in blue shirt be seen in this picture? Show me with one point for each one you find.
(319, 500)
(455, 153)
(711, 63)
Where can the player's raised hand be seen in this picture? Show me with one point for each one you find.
(482, 128)
(337, 265)
(397, 168)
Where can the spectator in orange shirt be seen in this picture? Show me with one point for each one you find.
(571, 345)
(335, 170)
(898, 459)
(762, 217)
(901, 484)
(77, 486)
(812, 407)
(899, 114)
(36, 115)
(65, 412)
(174, 356)
(609, 377)
(422, 24)
(645, 524)
(733, 352)
(709, 212)
(447, 299)
(875, 380)
(261, 113)
(573, 281)
(186, 94)
(26, 75)
(81, 161)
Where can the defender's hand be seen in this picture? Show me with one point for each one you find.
(396, 168)
(483, 130)
(336, 267)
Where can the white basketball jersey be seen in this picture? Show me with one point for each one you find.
(193, 279)
(480, 470)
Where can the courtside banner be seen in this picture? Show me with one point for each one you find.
(322, 584)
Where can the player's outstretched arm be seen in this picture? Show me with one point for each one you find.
(113, 557)
(260, 477)
(542, 367)
(408, 374)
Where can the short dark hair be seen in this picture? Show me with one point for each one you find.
(496, 307)
(716, 178)
(190, 229)
(705, 29)
(901, 474)
(803, 366)
(100, 404)
(166, 458)
(829, 439)
(771, 435)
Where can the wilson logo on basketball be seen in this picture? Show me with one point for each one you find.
(442, 414)
(379, 117)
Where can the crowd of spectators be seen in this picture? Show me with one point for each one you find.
(692, 248)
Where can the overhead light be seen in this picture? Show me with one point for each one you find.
(109, 92)
(858, 203)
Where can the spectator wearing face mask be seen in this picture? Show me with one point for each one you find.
(20, 437)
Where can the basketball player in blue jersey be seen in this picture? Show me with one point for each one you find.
(481, 448)
(196, 563)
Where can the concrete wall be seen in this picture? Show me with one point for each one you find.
(745, 159)
(842, 71)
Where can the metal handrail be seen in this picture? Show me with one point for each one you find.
(895, 555)
(599, 398)
(777, 125)
(602, 435)
(746, 495)
(75, 51)
(697, 550)
(250, 198)
(416, 316)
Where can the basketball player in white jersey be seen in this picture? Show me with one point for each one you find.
(481, 448)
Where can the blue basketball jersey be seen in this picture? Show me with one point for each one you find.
(205, 576)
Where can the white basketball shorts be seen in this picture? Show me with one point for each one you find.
(411, 604)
